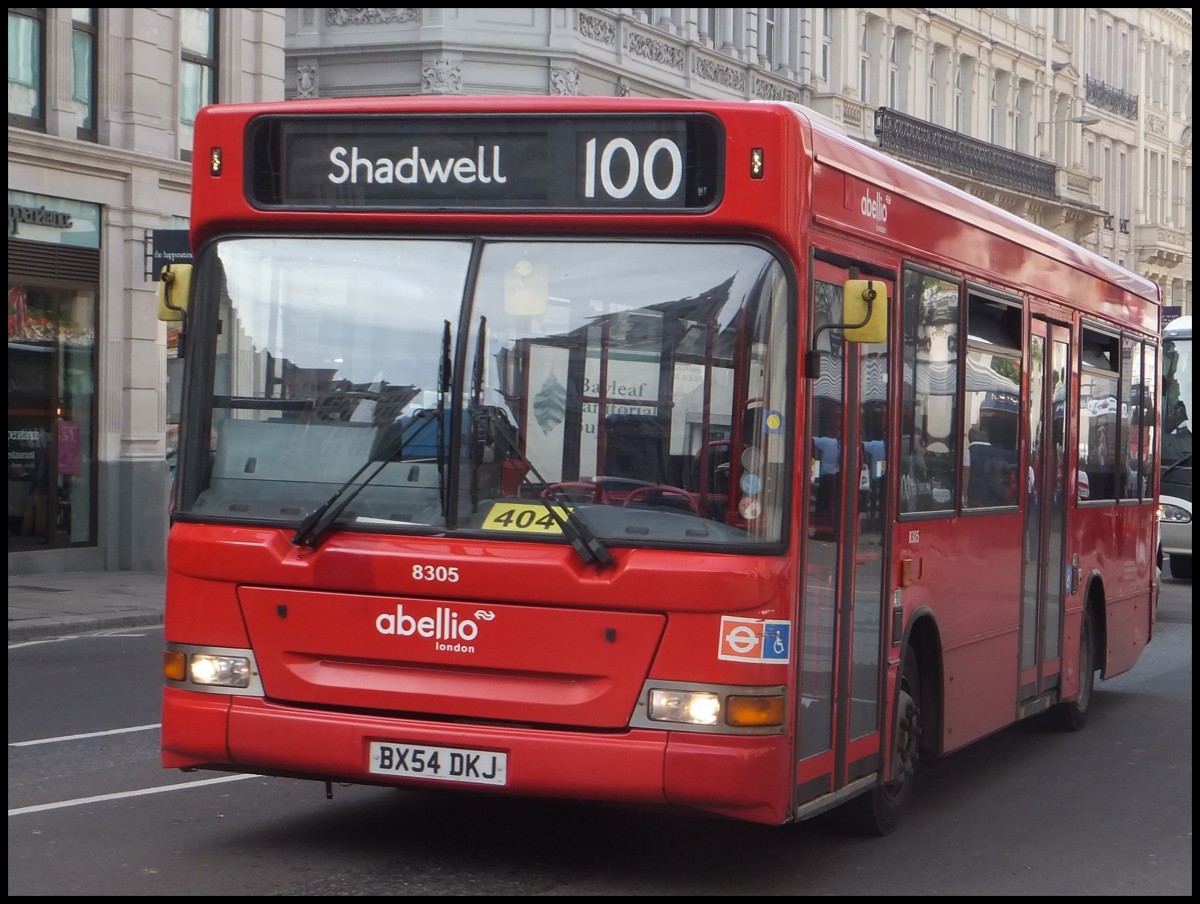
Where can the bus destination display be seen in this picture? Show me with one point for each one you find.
(629, 163)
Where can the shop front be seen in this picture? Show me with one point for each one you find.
(53, 290)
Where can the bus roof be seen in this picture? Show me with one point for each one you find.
(833, 147)
(1179, 328)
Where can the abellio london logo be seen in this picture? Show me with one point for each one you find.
(876, 208)
(449, 631)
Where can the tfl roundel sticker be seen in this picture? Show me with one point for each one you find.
(754, 640)
(749, 507)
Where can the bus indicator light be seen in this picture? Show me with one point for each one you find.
(754, 711)
(214, 162)
(756, 163)
(174, 665)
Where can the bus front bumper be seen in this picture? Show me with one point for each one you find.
(747, 778)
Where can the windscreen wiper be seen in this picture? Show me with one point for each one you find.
(488, 421)
(1186, 460)
(313, 527)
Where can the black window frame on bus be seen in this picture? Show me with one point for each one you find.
(1136, 478)
(1151, 437)
(994, 327)
(940, 321)
(1099, 360)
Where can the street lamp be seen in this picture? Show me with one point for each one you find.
(1081, 120)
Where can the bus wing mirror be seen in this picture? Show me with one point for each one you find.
(864, 308)
(174, 287)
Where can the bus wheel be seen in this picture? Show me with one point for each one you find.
(880, 810)
(1072, 716)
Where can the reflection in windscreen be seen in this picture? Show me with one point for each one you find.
(640, 386)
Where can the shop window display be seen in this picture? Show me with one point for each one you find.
(51, 416)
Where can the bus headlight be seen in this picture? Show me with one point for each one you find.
(1173, 514)
(219, 671)
(715, 708)
(688, 707)
(212, 670)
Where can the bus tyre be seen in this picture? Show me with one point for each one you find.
(880, 810)
(1072, 715)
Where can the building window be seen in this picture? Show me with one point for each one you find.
(197, 70)
(1023, 117)
(963, 79)
(932, 110)
(1180, 105)
(940, 85)
(83, 71)
(894, 72)
(998, 108)
(51, 415)
(1183, 199)
(26, 68)
(870, 66)
(902, 51)
(826, 43)
(1062, 26)
(768, 40)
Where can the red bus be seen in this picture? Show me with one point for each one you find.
(658, 452)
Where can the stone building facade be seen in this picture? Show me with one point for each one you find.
(100, 103)
(1077, 119)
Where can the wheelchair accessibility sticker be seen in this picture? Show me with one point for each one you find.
(754, 640)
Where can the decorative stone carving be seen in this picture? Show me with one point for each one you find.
(564, 80)
(441, 76)
(656, 51)
(375, 16)
(306, 80)
(602, 31)
(764, 90)
(719, 74)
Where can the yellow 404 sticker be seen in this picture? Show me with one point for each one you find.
(521, 516)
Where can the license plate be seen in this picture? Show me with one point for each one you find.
(446, 764)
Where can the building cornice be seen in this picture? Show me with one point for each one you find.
(27, 148)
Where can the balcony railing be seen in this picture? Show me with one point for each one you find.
(961, 154)
(1110, 98)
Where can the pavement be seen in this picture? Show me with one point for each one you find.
(51, 605)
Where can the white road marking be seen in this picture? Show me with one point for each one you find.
(82, 801)
(92, 734)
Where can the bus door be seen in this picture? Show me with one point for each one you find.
(1047, 454)
(841, 663)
